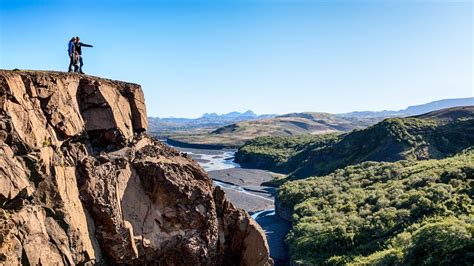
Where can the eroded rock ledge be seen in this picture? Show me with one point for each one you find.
(82, 183)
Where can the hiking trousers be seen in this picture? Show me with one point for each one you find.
(80, 63)
(71, 62)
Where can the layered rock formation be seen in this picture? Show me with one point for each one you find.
(82, 183)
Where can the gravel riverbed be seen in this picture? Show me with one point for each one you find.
(244, 189)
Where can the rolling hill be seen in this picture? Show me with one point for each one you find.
(433, 135)
(294, 124)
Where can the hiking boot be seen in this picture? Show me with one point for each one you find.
(81, 72)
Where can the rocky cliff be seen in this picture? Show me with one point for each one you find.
(82, 183)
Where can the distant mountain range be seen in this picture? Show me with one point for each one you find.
(234, 128)
(234, 116)
(207, 120)
(415, 109)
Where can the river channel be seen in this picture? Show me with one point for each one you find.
(244, 189)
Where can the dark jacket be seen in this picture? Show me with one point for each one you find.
(71, 48)
(78, 46)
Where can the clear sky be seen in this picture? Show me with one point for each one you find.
(269, 56)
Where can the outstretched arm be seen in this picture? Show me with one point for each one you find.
(86, 45)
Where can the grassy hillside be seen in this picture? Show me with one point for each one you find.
(296, 124)
(402, 213)
(273, 153)
(430, 136)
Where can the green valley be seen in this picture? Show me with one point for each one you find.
(396, 193)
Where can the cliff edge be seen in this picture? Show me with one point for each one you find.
(82, 183)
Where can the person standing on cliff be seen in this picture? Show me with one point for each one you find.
(71, 50)
(78, 44)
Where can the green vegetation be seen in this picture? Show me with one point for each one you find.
(389, 194)
(391, 140)
(273, 153)
(47, 143)
(402, 213)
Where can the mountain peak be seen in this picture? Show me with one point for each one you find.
(234, 114)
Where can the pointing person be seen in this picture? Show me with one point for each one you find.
(78, 44)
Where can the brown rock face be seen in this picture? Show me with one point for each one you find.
(81, 183)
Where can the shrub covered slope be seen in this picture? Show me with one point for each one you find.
(402, 213)
(273, 153)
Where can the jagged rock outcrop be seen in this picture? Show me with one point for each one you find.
(82, 183)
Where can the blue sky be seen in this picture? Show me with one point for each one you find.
(269, 56)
